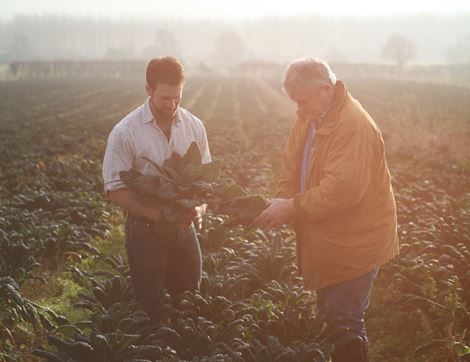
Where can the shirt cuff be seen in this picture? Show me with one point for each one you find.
(114, 185)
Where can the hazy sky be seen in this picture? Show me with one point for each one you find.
(228, 9)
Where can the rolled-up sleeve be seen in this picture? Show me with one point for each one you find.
(119, 156)
(204, 145)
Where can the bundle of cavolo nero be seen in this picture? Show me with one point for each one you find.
(184, 182)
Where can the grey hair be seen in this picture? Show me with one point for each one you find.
(307, 73)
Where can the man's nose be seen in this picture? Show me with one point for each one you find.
(171, 103)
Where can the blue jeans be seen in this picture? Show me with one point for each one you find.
(157, 263)
(345, 303)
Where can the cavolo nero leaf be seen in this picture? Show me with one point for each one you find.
(243, 210)
(230, 192)
(184, 182)
(168, 191)
(160, 171)
(210, 171)
(192, 156)
(189, 204)
(202, 186)
(139, 183)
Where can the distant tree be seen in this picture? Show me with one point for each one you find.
(460, 51)
(399, 49)
(335, 56)
(165, 43)
(20, 47)
(114, 53)
(229, 48)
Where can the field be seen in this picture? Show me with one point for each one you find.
(64, 282)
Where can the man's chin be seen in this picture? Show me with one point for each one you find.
(302, 115)
(167, 115)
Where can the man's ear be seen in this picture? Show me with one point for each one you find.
(326, 91)
(149, 90)
(330, 88)
(325, 88)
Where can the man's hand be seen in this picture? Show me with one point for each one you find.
(278, 213)
(198, 214)
(195, 215)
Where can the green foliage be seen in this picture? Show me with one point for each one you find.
(184, 182)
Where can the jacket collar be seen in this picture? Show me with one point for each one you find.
(340, 94)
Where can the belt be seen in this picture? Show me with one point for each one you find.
(139, 220)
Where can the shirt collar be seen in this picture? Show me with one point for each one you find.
(148, 116)
(318, 120)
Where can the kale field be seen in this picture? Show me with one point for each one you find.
(65, 291)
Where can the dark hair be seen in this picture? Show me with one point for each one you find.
(166, 70)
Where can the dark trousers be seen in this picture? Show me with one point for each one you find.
(157, 263)
(345, 303)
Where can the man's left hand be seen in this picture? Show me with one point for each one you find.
(194, 215)
(278, 213)
(198, 214)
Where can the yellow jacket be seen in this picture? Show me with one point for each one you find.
(346, 221)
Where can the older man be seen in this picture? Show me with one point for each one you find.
(155, 130)
(336, 189)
